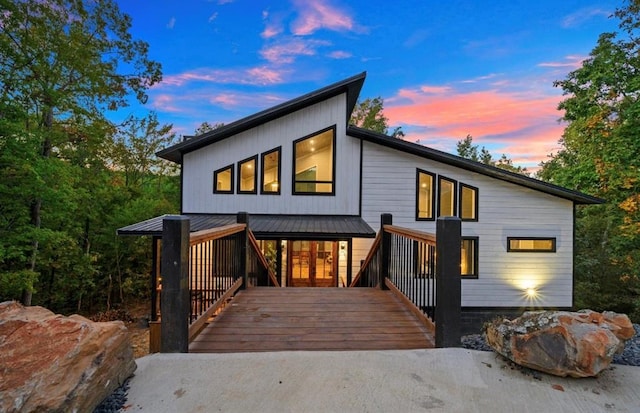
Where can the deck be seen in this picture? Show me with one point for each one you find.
(290, 319)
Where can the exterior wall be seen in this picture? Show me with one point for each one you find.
(198, 166)
(504, 210)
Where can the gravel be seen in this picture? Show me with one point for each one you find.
(115, 401)
(629, 357)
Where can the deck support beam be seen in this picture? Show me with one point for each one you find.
(175, 302)
(448, 284)
(385, 250)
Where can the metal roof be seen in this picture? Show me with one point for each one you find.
(269, 226)
(350, 86)
(453, 160)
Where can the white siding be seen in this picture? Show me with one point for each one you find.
(198, 166)
(505, 210)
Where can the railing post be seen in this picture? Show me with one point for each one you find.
(448, 289)
(385, 249)
(174, 300)
(243, 256)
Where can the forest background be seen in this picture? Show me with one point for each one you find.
(69, 177)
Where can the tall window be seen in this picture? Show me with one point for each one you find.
(314, 164)
(469, 257)
(468, 203)
(446, 197)
(425, 186)
(270, 176)
(223, 180)
(247, 175)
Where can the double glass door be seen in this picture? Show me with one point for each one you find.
(312, 263)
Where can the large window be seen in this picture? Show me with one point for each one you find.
(446, 197)
(223, 180)
(270, 176)
(314, 164)
(469, 257)
(247, 175)
(531, 244)
(425, 186)
(468, 203)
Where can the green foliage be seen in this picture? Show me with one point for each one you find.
(369, 114)
(467, 149)
(600, 155)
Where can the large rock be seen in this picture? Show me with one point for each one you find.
(576, 344)
(52, 363)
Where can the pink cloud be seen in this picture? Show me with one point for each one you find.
(165, 103)
(572, 62)
(319, 14)
(287, 51)
(261, 75)
(340, 54)
(583, 15)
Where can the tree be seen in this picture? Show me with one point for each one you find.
(63, 63)
(467, 149)
(368, 114)
(600, 155)
(207, 127)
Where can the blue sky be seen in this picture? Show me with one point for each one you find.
(445, 69)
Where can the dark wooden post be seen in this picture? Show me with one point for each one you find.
(448, 289)
(174, 300)
(385, 250)
(155, 270)
(243, 218)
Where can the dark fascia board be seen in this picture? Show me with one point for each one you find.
(488, 170)
(351, 86)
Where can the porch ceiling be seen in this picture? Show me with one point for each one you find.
(269, 226)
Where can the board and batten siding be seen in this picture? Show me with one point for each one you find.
(199, 165)
(504, 210)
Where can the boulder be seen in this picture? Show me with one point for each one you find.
(562, 343)
(52, 363)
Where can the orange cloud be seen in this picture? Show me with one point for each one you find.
(318, 14)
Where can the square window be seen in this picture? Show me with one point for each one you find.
(223, 180)
(247, 175)
(314, 164)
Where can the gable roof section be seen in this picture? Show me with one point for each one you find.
(457, 161)
(350, 86)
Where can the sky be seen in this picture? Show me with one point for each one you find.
(445, 69)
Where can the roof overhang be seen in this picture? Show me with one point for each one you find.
(269, 226)
(457, 161)
(350, 86)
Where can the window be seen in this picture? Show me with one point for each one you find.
(223, 180)
(469, 257)
(270, 176)
(247, 175)
(424, 195)
(314, 164)
(446, 197)
(468, 203)
(531, 244)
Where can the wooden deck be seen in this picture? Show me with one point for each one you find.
(285, 319)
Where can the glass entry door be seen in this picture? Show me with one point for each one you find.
(312, 263)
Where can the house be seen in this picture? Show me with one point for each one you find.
(315, 188)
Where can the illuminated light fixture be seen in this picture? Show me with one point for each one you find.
(531, 292)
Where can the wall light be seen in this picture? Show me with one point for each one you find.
(531, 292)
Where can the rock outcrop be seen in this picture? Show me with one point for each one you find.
(562, 343)
(52, 363)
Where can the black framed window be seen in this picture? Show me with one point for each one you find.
(314, 158)
(425, 201)
(270, 172)
(468, 203)
(223, 180)
(531, 244)
(469, 257)
(446, 197)
(248, 176)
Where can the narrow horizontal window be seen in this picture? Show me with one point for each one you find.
(270, 176)
(223, 180)
(425, 187)
(468, 203)
(531, 244)
(247, 175)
